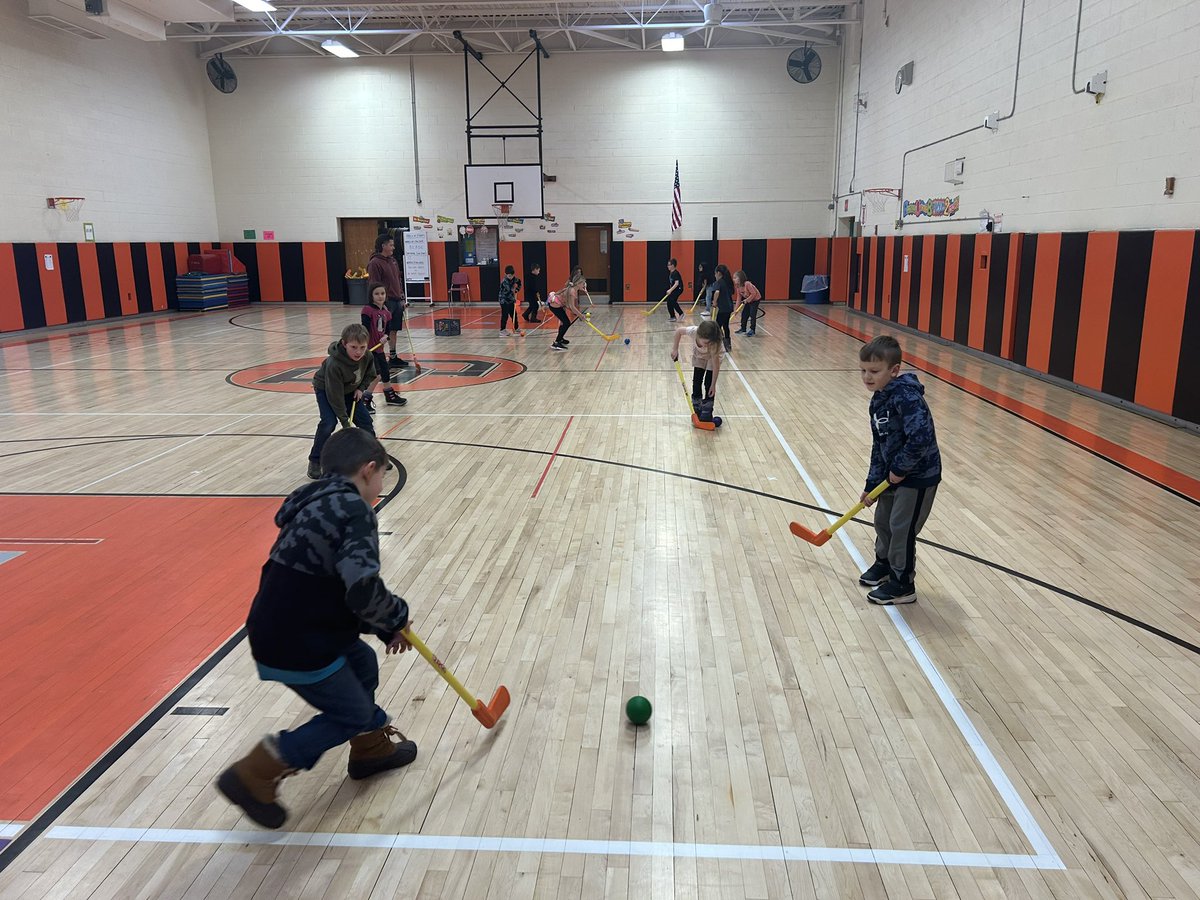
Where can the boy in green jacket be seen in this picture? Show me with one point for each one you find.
(345, 375)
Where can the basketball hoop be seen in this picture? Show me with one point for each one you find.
(502, 210)
(68, 206)
(878, 200)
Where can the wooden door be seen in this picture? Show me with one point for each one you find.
(593, 243)
(358, 240)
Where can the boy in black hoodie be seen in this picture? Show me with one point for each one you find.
(320, 588)
(347, 373)
(904, 450)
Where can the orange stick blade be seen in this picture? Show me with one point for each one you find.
(813, 537)
(488, 715)
(703, 426)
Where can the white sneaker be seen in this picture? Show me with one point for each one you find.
(503, 333)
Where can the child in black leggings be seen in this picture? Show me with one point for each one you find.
(750, 297)
(723, 294)
(705, 342)
(558, 303)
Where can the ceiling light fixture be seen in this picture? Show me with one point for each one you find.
(672, 42)
(255, 5)
(337, 48)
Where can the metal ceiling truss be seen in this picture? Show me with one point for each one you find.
(297, 27)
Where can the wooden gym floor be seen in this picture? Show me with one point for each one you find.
(1028, 728)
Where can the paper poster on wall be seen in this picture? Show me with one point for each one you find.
(445, 220)
(938, 206)
(420, 220)
(249, 234)
(416, 256)
(89, 232)
(268, 234)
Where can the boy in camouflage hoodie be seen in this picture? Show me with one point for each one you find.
(904, 450)
(319, 590)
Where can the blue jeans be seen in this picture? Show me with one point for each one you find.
(346, 700)
(329, 422)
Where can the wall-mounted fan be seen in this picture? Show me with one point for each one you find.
(221, 74)
(804, 65)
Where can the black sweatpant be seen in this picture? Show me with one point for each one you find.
(563, 319)
(381, 366)
(673, 307)
(531, 311)
(701, 383)
(507, 311)
(900, 513)
(723, 314)
(750, 314)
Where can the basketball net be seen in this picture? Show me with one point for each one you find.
(68, 206)
(502, 210)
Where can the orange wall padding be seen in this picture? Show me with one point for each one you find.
(1162, 324)
(1094, 307)
(635, 271)
(316, 272)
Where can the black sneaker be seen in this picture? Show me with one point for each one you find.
(314, 470)
(740, 331)
(395, 399)
(876, 575)
(564, 342)
(399, 363)
(557, 346)
(394, 360)
(892, 593)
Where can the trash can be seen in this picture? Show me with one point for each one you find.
(356, 291)
(815, 288)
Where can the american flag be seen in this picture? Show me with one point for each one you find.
(676, 204)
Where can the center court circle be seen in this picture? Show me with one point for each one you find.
(438, 371)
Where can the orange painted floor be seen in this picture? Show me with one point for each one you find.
(96, 634)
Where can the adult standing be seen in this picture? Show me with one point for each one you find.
(384, 268)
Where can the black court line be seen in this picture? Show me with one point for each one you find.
(1062, 437)
(403, 477)
(67, 798)
(200, 710)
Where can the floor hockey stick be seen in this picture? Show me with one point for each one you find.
(696, 423)
(820, 537)
(488, 714)
(607, 337)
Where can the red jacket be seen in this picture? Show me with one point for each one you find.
(376, 321)
(386, 271)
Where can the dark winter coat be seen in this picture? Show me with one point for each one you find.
(320, 587)
(903, 437)
(339, 376)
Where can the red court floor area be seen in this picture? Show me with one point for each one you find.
(108, 604)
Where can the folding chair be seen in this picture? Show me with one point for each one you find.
(459, 282)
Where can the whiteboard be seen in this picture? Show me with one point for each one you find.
(416, 256)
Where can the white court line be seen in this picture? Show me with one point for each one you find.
(10, 829)
(987, 760)
(309, 415)
(158, 455)
(468, 843)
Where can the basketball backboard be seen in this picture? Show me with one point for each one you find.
(519, 184)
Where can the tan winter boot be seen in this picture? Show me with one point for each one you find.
(252, 782)
(374, 752)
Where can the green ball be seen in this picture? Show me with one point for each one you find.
(638, 710)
